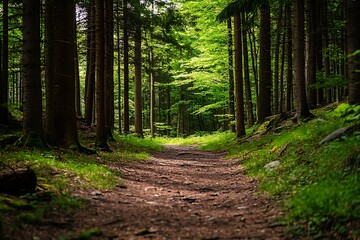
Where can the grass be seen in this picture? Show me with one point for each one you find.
(60, 172)
(320, 184)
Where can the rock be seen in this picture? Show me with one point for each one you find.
(18, 182)
(272, 165)
(96, 193)
(338, 133)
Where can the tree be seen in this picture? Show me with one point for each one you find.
(126, 70)
(231, 75)
(248, 97)
(302, 109)
(109, 67)
(32, 124)
(4, 89)
(101, 136)
(60, 124)
(240, 117)
(264, 109)
(289, 57)
(353, 36)
(311, 51)
(90, 64)
(138, 66)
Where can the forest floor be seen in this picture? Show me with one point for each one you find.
(180, 193)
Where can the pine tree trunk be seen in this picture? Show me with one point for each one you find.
(248, 96)
(311, 62)
(302, 109)
(239, 93)
(319, 48)
(90, 65)
(353, 36)
(101, 136)
(61, 126)
(119, 65)
(264, 109)
(138, 66)
(109, 67)
(325, 28)
(126, 71)
(254, 61)
(282, 66)
(231, 75)
(289, 58)
(277, 55)
(77, 74)
(32, 123)
(4, 88)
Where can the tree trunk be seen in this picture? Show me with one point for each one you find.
(60, 126)
(264, 109)
(311, 61)
(231, 75)
(90, 65)
(32, 122)
(101, 136)
(282, 67)
(289, 57)
(119, 64)
(248, 96)
(126, 70)
(319, 48)
(302, 109)
(277, 55)
(109, 67)
(77, 74)
(353, 36)
(325, 28)
(239, 94)
(4, 88)
(254, 63)
(152, 94)
(168, 115)
(138, 66)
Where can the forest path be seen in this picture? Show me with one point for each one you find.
(183, 193)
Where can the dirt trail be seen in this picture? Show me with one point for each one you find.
(181, 193)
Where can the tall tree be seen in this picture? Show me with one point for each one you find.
(265, 83)
(302, 109)
(277, 56)
(138, 70)
(353, 43)
(77, 73)
(311, 52)
(248, 97)
(126, 70)
(60, 125)
(4, 88)
(101, 136)
(231, 74)
(289, 60)
(90, 64)
(32, 124)
(109, 66)
(240, 116)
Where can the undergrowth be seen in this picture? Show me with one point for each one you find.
(61, 172)
(319, 183)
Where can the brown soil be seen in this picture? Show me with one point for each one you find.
(181, 193)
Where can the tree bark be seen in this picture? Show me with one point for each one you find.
(77, 74)
(138, 66)
(4, 88)
(289, 57)
(109, 67)
(126, 70)
(353, 36)
(302, 109)
(311, 61)
(264, 109)
(119, 65)
(276, 64)
(231, 75)
(60, 126)
(101, 136)
(33, 133)
(248, 96)
(90, 65)
(239, 93)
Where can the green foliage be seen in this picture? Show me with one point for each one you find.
(347, 112)
(320, 183)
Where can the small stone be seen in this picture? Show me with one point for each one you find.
(96, 193)
(272, 165)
